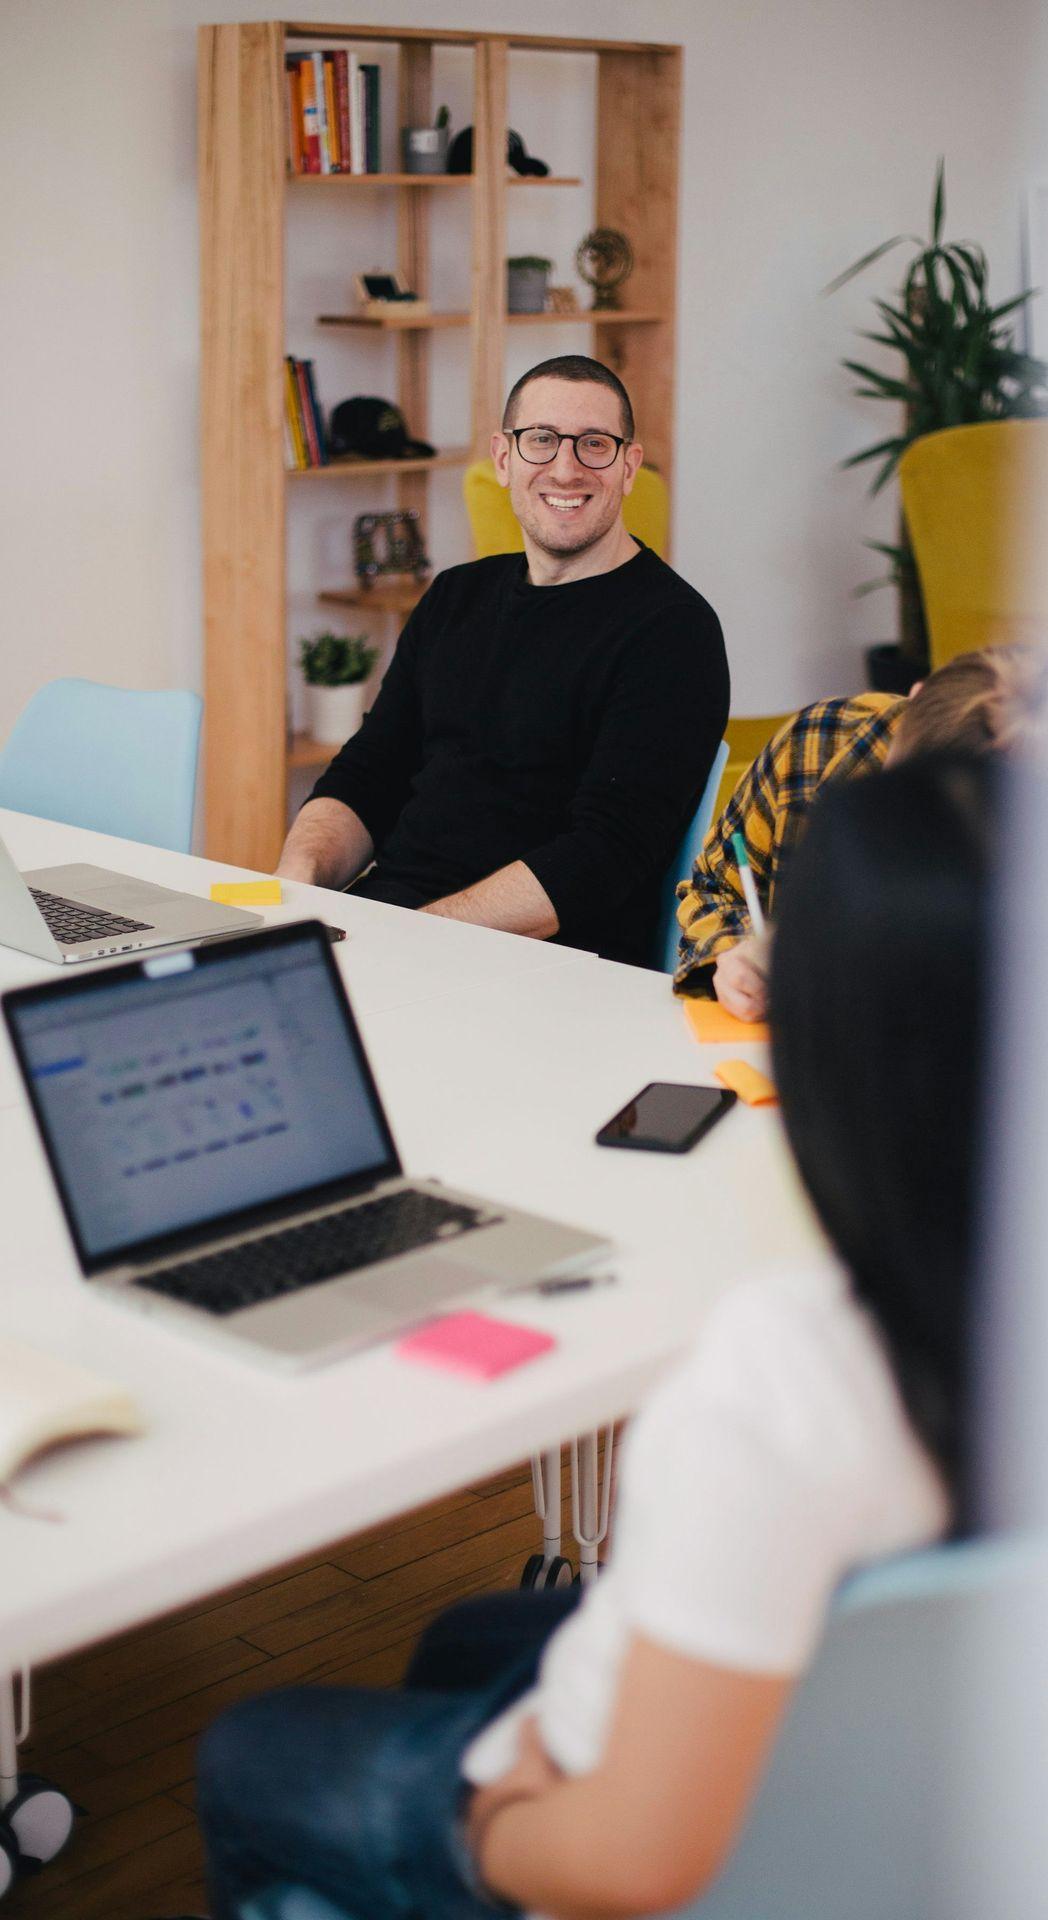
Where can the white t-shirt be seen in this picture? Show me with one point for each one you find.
(775, 1458)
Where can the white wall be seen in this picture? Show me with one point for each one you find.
(811, 132)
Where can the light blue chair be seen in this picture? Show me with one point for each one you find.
(668, 936)
(118, 761)
(844, 1827)
(850, 1822)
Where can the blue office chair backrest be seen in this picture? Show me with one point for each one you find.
(119, 761)
(845, 1822)
(668, 937)
(844, 1826)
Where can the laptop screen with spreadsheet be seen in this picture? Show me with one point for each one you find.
(189, 1091)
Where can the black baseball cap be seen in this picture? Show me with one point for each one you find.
(374, 428)
(460, 157)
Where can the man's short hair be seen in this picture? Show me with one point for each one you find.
(982, 702)
(577, 367)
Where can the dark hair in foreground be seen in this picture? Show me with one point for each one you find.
(575, 367)
(877, 998)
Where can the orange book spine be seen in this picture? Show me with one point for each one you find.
(311, 131)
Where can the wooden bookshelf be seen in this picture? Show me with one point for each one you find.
(305, 753)
(427, 180)
(246, 199)
(346, 468)
(607, 317)
(400, 600)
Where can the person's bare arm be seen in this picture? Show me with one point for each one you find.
(655, 1822)
(327, 846)
(511, 900)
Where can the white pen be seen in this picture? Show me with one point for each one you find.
(749, 884)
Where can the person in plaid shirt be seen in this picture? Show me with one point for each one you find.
(977, 703)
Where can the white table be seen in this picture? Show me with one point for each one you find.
(498, 1058)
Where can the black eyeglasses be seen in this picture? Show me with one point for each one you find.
(539, 445)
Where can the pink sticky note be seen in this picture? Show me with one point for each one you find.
(474, 1344)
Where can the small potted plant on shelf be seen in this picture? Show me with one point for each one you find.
(425, 149)
(527, 280)
(335, 667)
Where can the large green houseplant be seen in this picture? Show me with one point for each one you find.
(960, 365)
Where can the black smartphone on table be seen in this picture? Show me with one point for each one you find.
(666, 1117)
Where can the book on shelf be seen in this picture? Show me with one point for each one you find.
(44, 1400)
(333, 104)
(303, 420)
(371, 127)
(296, 153)
(342, 105)
(330, 114)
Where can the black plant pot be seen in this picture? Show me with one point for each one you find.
(889, 670)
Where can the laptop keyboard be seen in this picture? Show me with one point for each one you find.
(297, 1257)
(72, 923)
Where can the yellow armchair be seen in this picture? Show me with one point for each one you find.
(646, 511)
(976, 506)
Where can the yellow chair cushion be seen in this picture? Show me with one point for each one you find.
(974, 500)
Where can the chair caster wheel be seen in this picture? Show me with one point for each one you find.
(41, 1818)
(533, 1566)
(9, 1859)
(537, 1574)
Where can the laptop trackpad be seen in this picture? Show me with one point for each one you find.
(415, 1286)
(321, 1322)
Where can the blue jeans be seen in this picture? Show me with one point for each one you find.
(358, 1794)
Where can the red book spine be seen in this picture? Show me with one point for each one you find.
(342, 97)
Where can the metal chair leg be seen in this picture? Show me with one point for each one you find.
(545, 1480)
(590, 1498)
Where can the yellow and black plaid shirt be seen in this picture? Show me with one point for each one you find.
(829, 741)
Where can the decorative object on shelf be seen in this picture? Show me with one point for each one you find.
(383, 296)
(604, 260)
(335, 667)
(425, 149)
(563, 300)
(527, 277)
(371, 429)
(961, 366)
(388, 543)
(460, 158)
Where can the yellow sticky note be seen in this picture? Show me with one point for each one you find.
(247, 893)
(748, 1082)
(715, 1027)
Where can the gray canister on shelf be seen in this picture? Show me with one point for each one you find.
(526, 287)
(425, 149)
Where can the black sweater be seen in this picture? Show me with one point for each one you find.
(571, 727)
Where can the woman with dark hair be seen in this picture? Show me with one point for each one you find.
(602, 1764)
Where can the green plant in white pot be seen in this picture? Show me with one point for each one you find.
(335, 667)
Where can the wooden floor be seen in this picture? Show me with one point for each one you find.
(116, 1727)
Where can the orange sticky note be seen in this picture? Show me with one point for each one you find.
(715, 1027)
(748, 1082)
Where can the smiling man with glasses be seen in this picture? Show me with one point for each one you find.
(547, 722)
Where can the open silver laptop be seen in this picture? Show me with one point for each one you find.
(222, 1155)
(75, 913)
